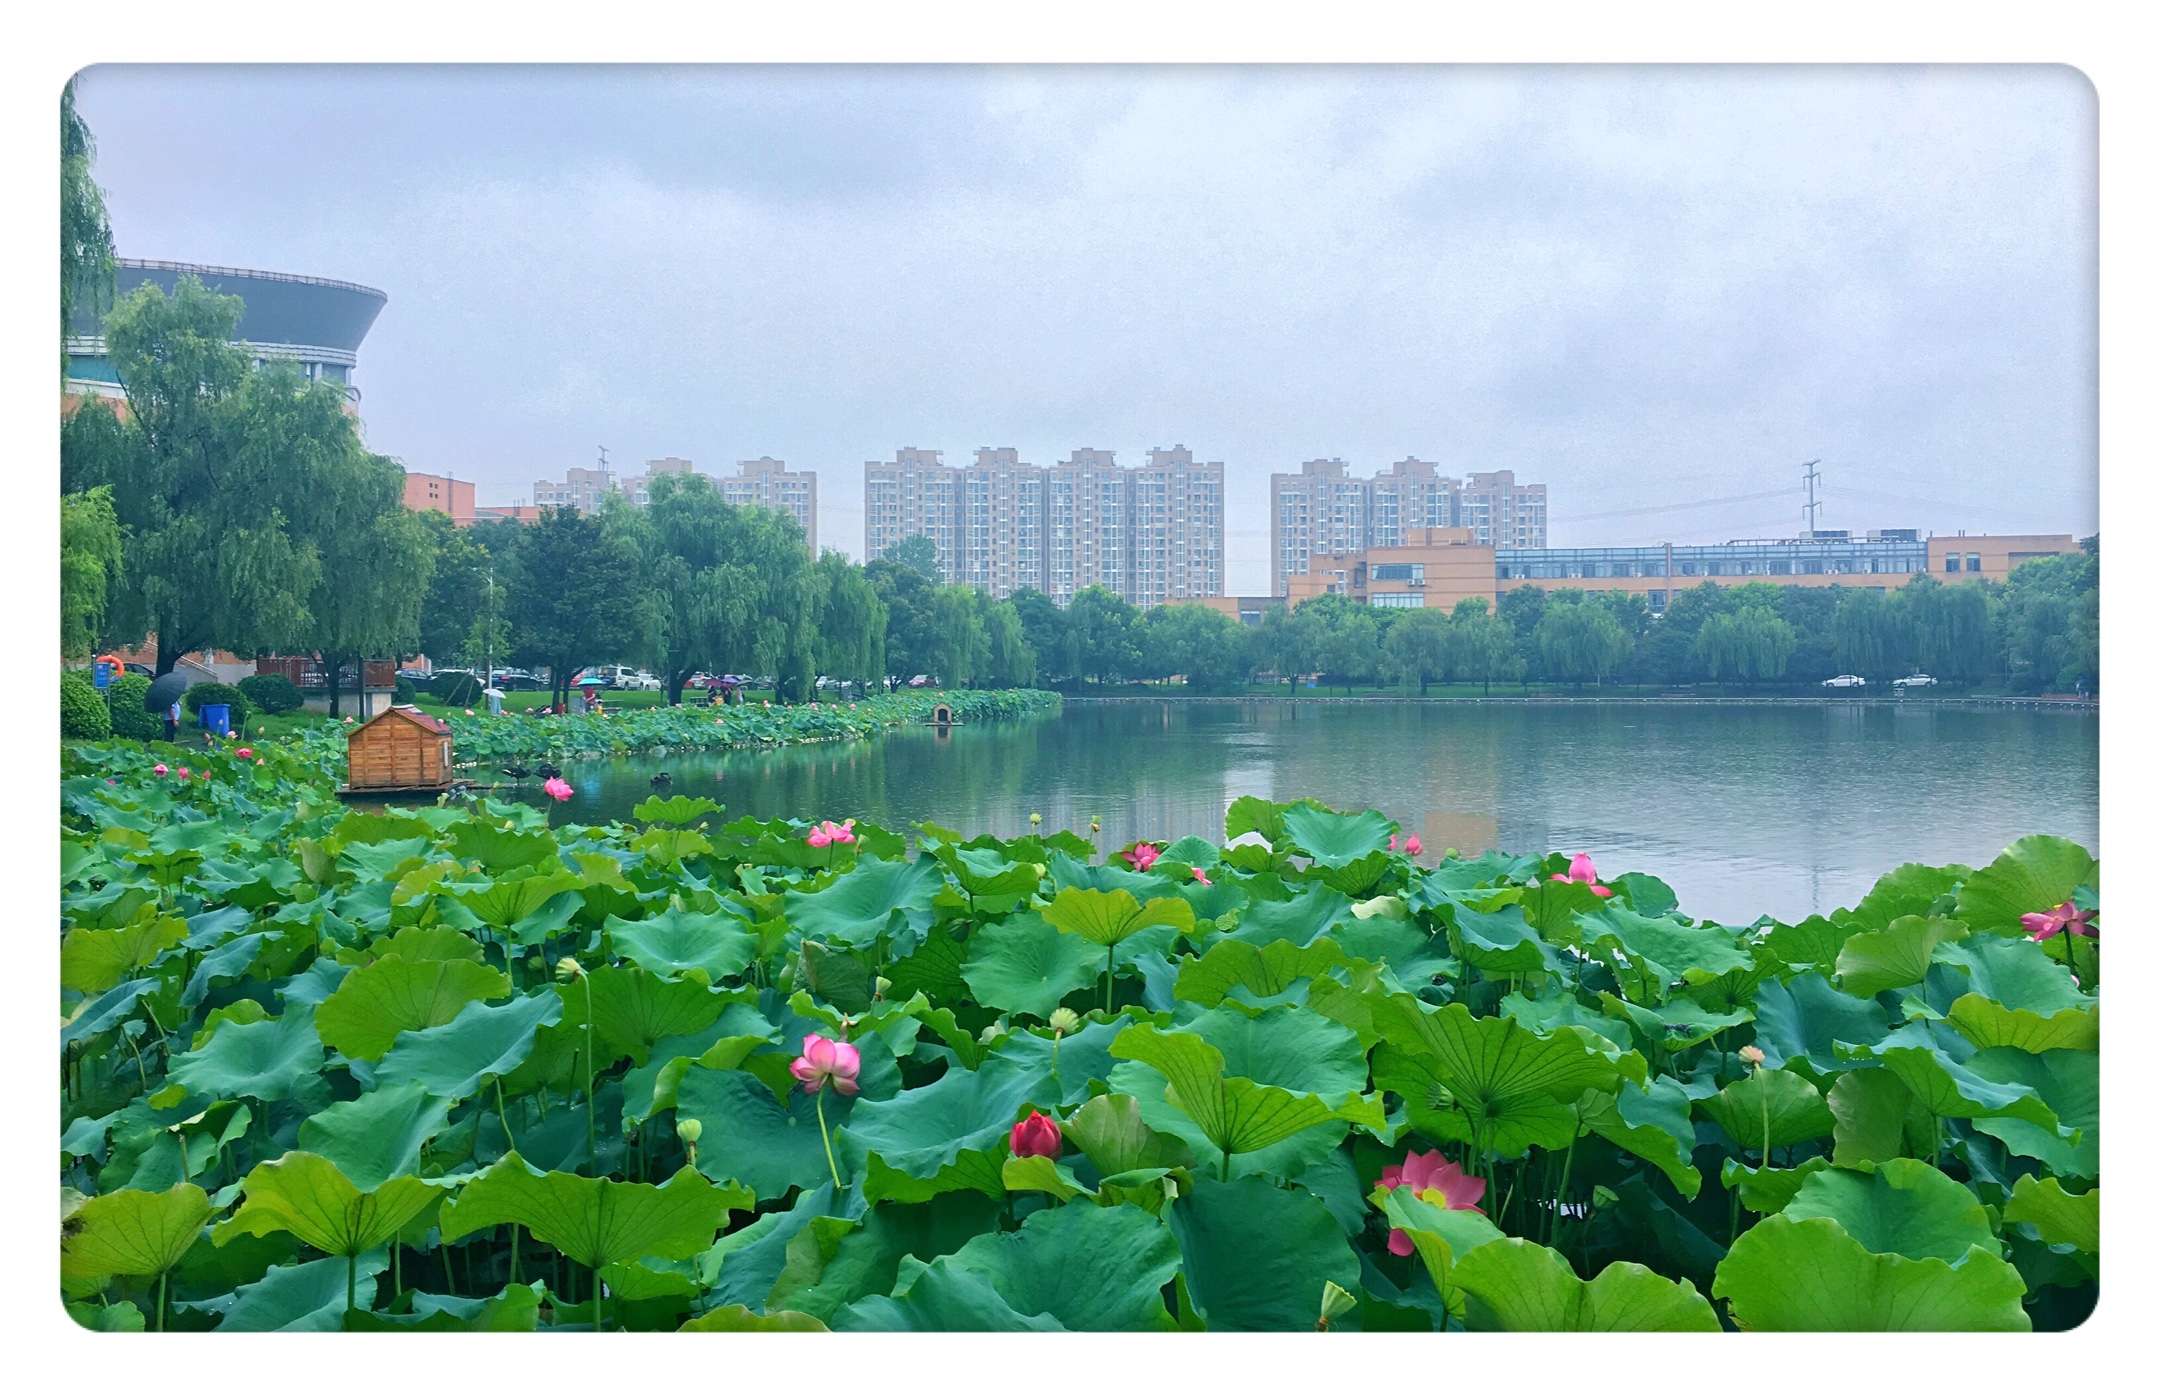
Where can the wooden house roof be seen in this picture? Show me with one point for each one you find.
(434, 725)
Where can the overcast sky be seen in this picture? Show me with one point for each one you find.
(1646, 287)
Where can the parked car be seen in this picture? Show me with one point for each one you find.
(1917, 680)
(517, 680)
(1845, 680)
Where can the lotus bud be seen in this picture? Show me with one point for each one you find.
(1035, 820)
(1064, 1021)
(1751, 1054)
(689, 1131)
(881, 986)
(991, 1033)
(1335, 1300)
(568, 970)
(1095, 825)
(1602, 1197)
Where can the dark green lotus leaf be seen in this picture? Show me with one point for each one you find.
(136, 1234)
(359, 828)
(632, 1009)
(767, 1143)
(724, 1045)
(377, 860)
(1024, 964)
(736, 1318)
(1090, 1268)
(1410, 955)
(1911, 889)
(1695, 953)
(1110, 875)
(421, 943)
(707, 948)
(1335, 840)
(1949, 1088)
(1502, 942)
(1110, 1131)
(1645, 894)
(515, 1309)
(1237, 1114)
(1895, 956)
(1674, 1025)
(1515, 1286)
(1564, 1009)
(123, 1316)
(2036, 873)
(1300, 920)
(92, 961)
(297, 1297)
(1902, 1207)
(1786, 1275)
(1488, 1081)
(1261, 971)
(1257, 1257)
(2067, 1087)
(1653, 1124)
(1796, 1111)
(834, 1261)
(1285, 1159)
(1768, 1190)
(941, 1298)
(522, 906)
(1878, 1118)
(374, 1003)
(269, 1060)
(2019, 997)
(1814, 943)
(596, 1221)
(676, 809)
(482, 1042)
(872, 899)
(501, 850)
(2062, 1218)
(933, 970)
(1290, 1047)
(919, 1132)
(305, 1196)
(379, 1135)
(1798, 1020)
(988, 873)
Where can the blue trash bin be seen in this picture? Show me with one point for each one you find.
(217, 717)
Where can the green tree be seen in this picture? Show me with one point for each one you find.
(1871, 635)
(377, 559)
(920, 554)
(1751, 644)
(1049, 637)
(908, 597)
(89, 567)
(1481, 646)
(1210, 649)
(1580, 642)
(1006, 661)
(2049, 623)
(1523, 608)
(1417, 647)
(1342, 637)
(1104, 625)
(850, 622)
(1950, 627)
(573, 599)
(86, 242)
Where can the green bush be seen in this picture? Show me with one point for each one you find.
(272, 693)
(455, 689)
(83, 715)
(207, 694)
(406, 693)
(124, 703)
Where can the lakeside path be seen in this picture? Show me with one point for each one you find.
(2049, 704)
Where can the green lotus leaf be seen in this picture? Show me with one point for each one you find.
(1563, 1009)
(2061, 1217)
(2066, 1088)
(269, 1060)
(1799, 1020)
(1024, 964)
(1768, 1190)
(307, 1297)
(1910, 889)
(2020, 997)
(1234, 1114)
(1335, 840)
(122, 1316)
(1261, 971)
(1895, 956)
(1674, 1025)
(1487, 1081)
(632, 1010)
(500, 849)
(1290, 1047)
(374, 1003)
(1249, 813)
(515, 1309)
(503, 905)
(705, 948)
(872, 899)
(986, 872)
(424, 943)
(1653, 1124)
(676, 809)
(1438, 1235)
(736, 1318)
(1090, 1268)
(2036, 873)
(933, 970)
(1110, 1131)
(843, 980)
(92, 961)
(1796, 1110)
(1258, 1257)
(1902, 1206)
(1516, 1286)
(135, 1234)
(2003, 1102)
(376, 861)
(832, 1261)
(1502, 942)
(1814, 943)
(1300, 920)
(306, 1196)
(941, 1299)
(482, 1042)
(1786, 1275)
(766, 1142)
(1040, 1174)
(1696, 953)
(379, 1135)
(596, 1221)
(921, 1132)
(1109, 917)
(1878, 1118)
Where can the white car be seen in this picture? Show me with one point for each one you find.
(1918, 680)
(1845, 680)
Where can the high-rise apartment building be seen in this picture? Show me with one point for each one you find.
(1151, 534)
(580, 489)
(770, 484)
(1324, 510)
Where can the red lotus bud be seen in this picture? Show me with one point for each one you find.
(1037, 1136)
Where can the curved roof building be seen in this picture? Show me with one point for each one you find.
(315, 322)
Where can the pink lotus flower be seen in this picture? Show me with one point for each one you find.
(1142, 856)
(348, 721)
(1412, 846)
(558, 787)
(2046, 925)
(823, 1061)
(468, 711)
(1431, 1177)
(158, 769)
(828, 833)
(1037, 1136)
(1583, 872)
(1201, 877)
(245, 753)
(183, 772)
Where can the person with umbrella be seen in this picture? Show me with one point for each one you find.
(164, 695)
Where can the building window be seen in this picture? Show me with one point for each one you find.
(1950, 563)
(1398, 571)
(1399, 600)
(1972, 561)
(1657, 600)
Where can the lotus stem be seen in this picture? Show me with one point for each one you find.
(161, 1279)
(352, 1265)
(592, 1131)
(826, 1134)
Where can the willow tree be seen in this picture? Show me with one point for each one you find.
(89, 565)
(850, 623)
(86, 242)
(376, 558)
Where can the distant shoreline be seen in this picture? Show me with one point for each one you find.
(2037, 704)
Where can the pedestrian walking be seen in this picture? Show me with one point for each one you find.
(172, 723)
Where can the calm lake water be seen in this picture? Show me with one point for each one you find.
(1743, 810)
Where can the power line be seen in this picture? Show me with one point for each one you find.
(1674, 508)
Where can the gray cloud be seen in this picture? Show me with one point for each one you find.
(1642, 285)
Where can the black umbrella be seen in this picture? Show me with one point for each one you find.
(164, 692)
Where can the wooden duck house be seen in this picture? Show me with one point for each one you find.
(403, 751)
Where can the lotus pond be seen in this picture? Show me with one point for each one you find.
(475, 1067)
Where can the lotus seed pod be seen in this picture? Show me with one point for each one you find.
(1064, 1021)
(689, 1131)
(1751, 1054)
(1035, 820)
(882, 986)
(568, 970)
